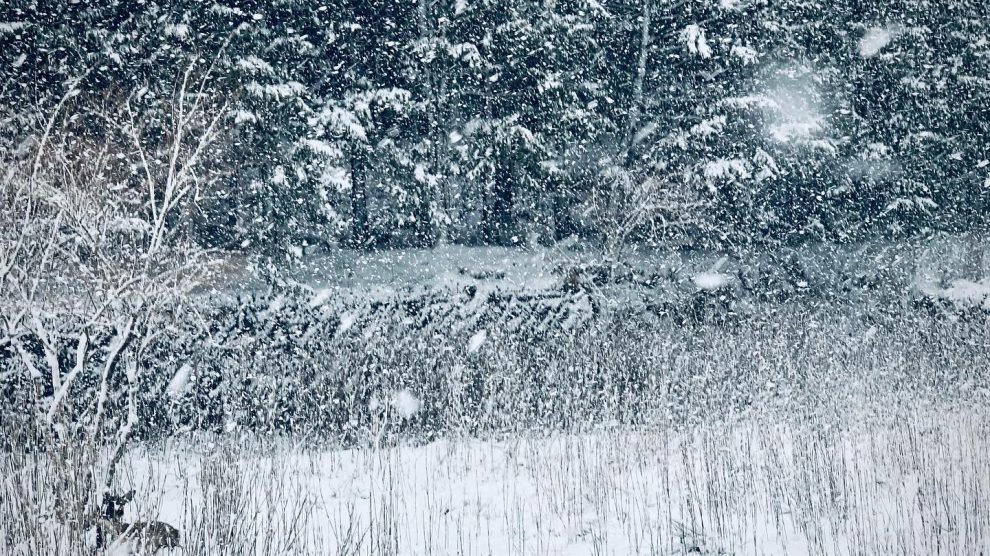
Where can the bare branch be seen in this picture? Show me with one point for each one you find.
(60, 393)
(120, 341)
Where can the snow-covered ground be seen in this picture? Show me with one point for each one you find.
(906, 484)
(848, 474)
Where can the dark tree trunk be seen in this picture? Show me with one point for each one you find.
(498, 224)
(423, 233)
(423, 229)
(563, 221)
(359, 200)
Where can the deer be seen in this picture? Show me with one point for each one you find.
(142, 537)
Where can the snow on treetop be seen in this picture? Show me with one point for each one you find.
(745, 53)
(875, 40)
(727, 169)
(255, 64)
(10, 27)
(179, 30)
(694, 37)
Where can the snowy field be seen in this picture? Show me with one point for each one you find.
(901, 483)
(821, 428)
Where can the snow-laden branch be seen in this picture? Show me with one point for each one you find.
(63, 390)
(120, 340)
(127, 429)
(26, 359)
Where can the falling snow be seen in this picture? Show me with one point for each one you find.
(710, 280)
(405, 404)
(507, 277)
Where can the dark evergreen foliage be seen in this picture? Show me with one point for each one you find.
(387, 123)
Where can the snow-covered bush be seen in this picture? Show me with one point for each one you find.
(96, 265)
(425, 364)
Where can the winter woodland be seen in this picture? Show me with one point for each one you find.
(494, 277)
